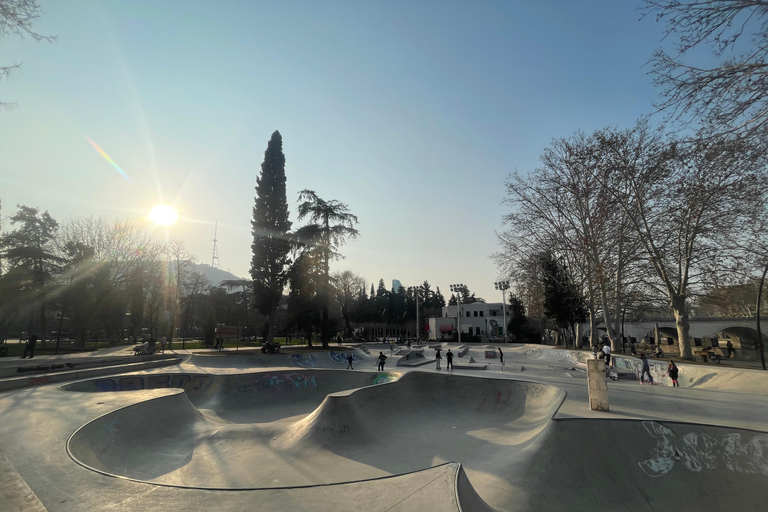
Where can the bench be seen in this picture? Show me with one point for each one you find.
(705, 354)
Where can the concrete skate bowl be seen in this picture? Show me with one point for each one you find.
(644, 466)
(320, 359)
(221, 435)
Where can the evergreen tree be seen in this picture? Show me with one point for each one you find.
(270, 227)
(563, 301)
(334, 225)
(30, 255)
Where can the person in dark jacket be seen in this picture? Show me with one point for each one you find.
(646, 369)
(30, 346)
(381, 360)
(672, 371)
(449, 360)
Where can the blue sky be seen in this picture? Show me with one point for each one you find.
(411, 112)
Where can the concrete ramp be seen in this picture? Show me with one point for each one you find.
(645, 466)
(413, 359)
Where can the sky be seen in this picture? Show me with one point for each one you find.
(413, 113)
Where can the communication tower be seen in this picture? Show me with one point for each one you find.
(215, 257)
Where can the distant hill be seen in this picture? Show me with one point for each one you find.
(215, 275)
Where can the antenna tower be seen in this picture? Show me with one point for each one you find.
(215, 257)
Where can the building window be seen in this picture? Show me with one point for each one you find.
(481, 313)
(696, 342)
(475, 313)
(468, 313)
(493, 313)
(477, 331)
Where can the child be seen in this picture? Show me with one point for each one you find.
(672, 371)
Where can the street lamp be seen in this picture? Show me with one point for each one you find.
(458, 289)
(503, 286)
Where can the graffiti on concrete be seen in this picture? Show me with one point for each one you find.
(36, 381)
(48, 368)
(698, 451)
(383, 378)
(137, 382)
(276, 382)
(341, 357)
(305, 362)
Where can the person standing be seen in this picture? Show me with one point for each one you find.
(438, 358)
(607, 352)
(729, 348)
(449, 360)
(163, 341)
(672, 371)
(349, 360)
(381, 360)
(646, 369)
(501, 358)
(30, 346)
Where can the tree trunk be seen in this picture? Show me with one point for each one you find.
(271, 328)
(680, 309)
(592, 329)
(577, 328)
(42, 325)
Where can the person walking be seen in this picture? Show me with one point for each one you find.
(163, 341)
(30, 346)
(381, 360)
(729, 348)
(607, 352)
(349, 360)
(672, 371)
(646, 369)
(449, 360)
(501, 358)
(438, 358)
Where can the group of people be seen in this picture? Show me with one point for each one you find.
(673, 372)
(439, 358)
(150, 346)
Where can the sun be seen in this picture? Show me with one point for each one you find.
(164, 215)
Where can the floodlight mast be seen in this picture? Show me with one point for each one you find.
(503, 286)
(458, 289)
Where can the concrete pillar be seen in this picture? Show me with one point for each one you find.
(598, 389)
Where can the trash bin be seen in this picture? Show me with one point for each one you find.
(3, 351)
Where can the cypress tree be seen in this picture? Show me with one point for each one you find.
(270, 228)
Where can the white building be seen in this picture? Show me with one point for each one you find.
(482, 319)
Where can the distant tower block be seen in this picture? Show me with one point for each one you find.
(215, 257)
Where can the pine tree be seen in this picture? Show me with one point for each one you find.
(270, 227)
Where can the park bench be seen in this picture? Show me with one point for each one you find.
(705, 355)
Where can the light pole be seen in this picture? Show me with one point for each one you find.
(458, 289)
(503, 286)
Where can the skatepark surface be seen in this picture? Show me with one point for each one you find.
(299, 432)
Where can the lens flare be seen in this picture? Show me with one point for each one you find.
(164, 215)
(108, 159)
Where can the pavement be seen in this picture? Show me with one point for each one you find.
(246, 431)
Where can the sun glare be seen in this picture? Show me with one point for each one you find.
(164, 215)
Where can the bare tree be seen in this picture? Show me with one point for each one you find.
(686, 204)
(346, 288)
(16, 17)
(730, 97)
(562, 209)
(181, 279)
